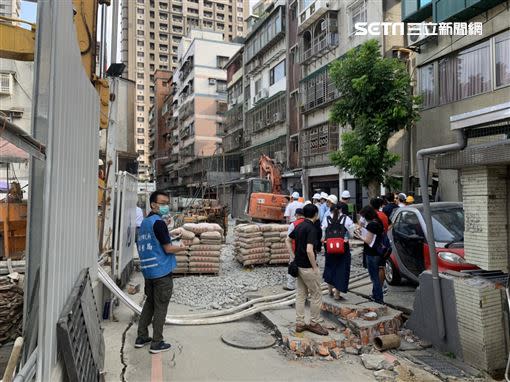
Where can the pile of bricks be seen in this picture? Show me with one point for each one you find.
(362, 323)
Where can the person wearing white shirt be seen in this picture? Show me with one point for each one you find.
(290, 210)
(337, 270)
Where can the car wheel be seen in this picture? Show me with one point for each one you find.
(391, 273)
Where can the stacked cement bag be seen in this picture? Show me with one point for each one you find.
(182, 255)
(204, 253)
(251, 249)
(274, 236)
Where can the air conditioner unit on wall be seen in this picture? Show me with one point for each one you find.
(421, 37)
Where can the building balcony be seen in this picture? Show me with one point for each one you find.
(266, 114)
(315, 10)
(317, 90)
(319, 47)
(317, 143)
(233, 140)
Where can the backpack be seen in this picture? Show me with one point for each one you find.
(335, 233)
(383, 246)
(295, 224)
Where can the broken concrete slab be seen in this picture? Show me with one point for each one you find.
(375, 361)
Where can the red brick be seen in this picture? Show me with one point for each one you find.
(345, 311)
(323, 351)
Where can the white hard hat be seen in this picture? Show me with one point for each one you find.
(295, 195)
(346, 194)
(333, 199)
(308, 202)
(316, 196)
(324, 195)
(402, 197)
(100, 162)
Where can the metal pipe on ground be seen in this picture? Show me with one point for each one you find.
(386, 342)
(420, 156)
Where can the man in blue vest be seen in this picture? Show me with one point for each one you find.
(157, 261)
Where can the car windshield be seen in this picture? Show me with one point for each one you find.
(448, 225)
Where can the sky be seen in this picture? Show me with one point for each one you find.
(28, 11)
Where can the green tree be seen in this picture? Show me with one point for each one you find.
(375, 101)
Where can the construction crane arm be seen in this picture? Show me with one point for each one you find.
(269, 170)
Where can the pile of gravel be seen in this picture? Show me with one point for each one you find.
(230, 287)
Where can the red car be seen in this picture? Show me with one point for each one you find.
(410, 255)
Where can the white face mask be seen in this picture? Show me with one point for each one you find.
(362, 221)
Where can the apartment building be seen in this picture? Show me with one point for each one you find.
(199, 102)
(158, 121)
(265, 85)
(456, 75)
(151, 34)
(10, 8)
(325, 32)
(234, 117)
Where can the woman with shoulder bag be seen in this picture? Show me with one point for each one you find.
(337, 228)
(371, 233)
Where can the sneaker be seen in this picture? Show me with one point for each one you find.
(317, 329)
(300, 328)
(160, 347)
(385, 288)
(141, 342)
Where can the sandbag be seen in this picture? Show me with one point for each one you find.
(278, 245)
(199, 259)
(272, 234)
(188, 243)
(252, 240)
(242, 235)
(210, 242)
(205, 247)
(205, 253)
(245, 251)
(185, 234)
(251, 245)
(248, 228)
(210, 235)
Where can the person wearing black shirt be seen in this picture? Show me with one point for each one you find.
(373, 230)
(391, 206)
(309, 279)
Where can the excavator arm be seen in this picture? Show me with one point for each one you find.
(269, 170)
(16, 43)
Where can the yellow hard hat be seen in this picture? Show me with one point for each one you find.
(409, 199)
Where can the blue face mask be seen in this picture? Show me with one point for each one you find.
(164, 209)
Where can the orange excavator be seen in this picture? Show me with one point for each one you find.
(265, 199)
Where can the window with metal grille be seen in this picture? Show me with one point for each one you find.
(5, 83)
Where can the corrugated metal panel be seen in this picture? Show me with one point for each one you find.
(63, 203)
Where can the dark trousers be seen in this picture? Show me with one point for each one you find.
(158, 293)
(373, 270)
